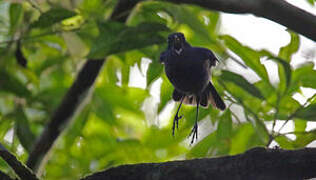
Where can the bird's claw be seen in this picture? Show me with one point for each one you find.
(194, 133)
(175, 123)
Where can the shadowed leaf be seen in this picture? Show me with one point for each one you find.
(242, 82)
(52, 16)
(11, 84)
(307, 113)
(115, 38)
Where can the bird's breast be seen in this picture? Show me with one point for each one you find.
(188, 75)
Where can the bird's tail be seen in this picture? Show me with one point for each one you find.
(208, 96)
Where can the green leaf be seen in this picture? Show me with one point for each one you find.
(23, 130)
(300, 125)
(287, 51)
(309, 80)
(16, 12)
(116, 37)
(303, 139)
(180, 13)
(248, 55)
(284, 142)
(284, 70)
(225, 126)
(156, 138)
(307, 113)
(312, 2)
(240, 94)
(285, 74)
(202, 148)
(154, 71)
(304, 75)
(193, 18)
(287, 106)
(13, 85)
(166, 90)
(241, 139)
(52, 16)
(75, 129)
(241, 82)
(96, 9)
(5, 125)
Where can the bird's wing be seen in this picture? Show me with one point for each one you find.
(163, 56)
(206, 54)
(211, 57)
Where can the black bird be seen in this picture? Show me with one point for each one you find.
(188, 69)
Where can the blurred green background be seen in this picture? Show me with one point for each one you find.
(128, 115)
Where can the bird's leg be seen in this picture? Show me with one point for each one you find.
(176, 118)
(195, 127)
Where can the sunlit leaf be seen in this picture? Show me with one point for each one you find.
(287, 51)
(96, 9)
(162, 138)
(300, 125)
(224, 128)
(52, 16)
(284, 142)
(312, 2)
(5, 125)
(242, 139)
(203, 147)
(304, 138)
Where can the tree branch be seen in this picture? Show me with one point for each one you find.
(257, 163)
(278, 11)
(21, 170)
(3, 176)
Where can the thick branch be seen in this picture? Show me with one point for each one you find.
(20, 169)
(3, 176)
(278, 11)
(257, 163)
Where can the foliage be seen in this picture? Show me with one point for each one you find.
(114, 128)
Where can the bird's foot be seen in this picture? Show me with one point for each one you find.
(194, 133)
(175, 123)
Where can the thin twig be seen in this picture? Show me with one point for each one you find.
(237, 61)
(276, 111)
(236, 117)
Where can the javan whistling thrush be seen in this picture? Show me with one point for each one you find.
(188, 69)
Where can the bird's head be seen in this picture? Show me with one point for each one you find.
(176, 41)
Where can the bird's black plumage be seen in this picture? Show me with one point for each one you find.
(189, 69)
